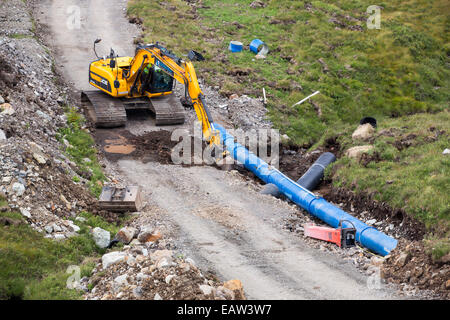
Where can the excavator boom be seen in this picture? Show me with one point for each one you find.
(146, 81)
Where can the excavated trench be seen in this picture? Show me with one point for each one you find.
(156, 146)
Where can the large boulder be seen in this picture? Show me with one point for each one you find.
(7, 109)
(149, 234)
(363, 132)
(357, 152)
(236, 287)
(113, 258)
(18, 189)
(206, 290)
(2, 135)
(101, 237)
(126, 234)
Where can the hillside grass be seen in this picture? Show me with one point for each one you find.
(34, 268)
(82, 146)
(397, 70)
(407, 167)
(398, 74)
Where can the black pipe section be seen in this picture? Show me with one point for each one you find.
(310, 179)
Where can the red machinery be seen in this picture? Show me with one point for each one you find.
(343, 237)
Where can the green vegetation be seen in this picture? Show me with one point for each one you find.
(438, 248)
(20, 36)
(82, 148)
(397, 70)
(398, 74)
(407, 167)
(33, 267)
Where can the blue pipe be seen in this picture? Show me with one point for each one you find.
(366, 235)
(310, 179)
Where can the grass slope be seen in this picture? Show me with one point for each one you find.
(34, 268)
(397, 70)
(398, 74)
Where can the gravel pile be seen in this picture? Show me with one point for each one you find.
(35, 175)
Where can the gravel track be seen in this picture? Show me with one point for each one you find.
(217, 217)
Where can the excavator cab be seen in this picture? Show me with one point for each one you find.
(145, 81)
(160, 81)
(130, 83)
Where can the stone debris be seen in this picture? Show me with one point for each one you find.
(238, 111)
(363, 132)
(115, 279)
(101, 237)
(358, 151)
(411, 267)
(14, 18)
(36, 177)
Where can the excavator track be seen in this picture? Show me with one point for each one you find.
(168, 110)
(103, 110)
(108, 112)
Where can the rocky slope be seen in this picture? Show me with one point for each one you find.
(36, 175)
(38, 179)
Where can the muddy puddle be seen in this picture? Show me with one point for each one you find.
(120, 143)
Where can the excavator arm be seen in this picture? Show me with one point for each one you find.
(183, 72)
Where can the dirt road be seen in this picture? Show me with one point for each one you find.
(218, 217)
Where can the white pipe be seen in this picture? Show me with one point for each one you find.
(312, 95)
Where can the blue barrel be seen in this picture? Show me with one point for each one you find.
(235, 46)
(259, 47)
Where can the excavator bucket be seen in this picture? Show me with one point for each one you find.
(117, 199)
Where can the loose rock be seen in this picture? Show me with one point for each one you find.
(113, 258)
(126, 234)
(363, 132)
(357, 152)
(101, 237)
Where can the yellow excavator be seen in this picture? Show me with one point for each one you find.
(145, 81)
